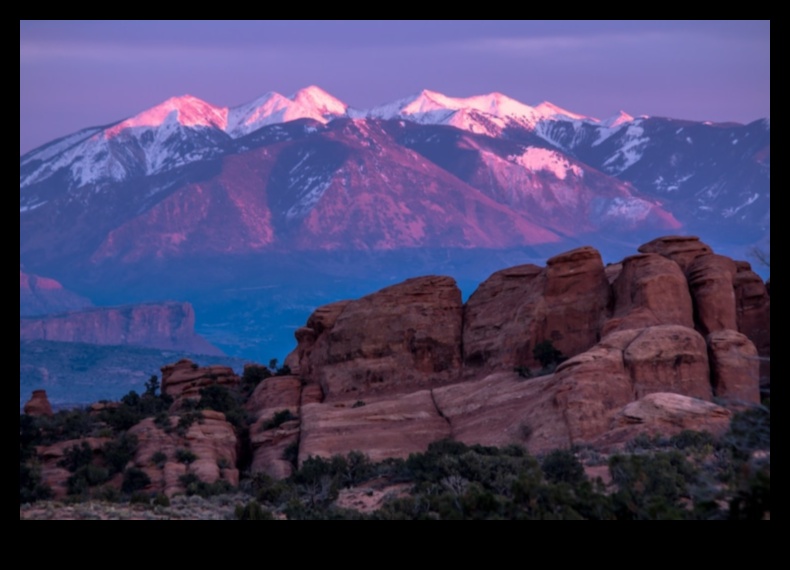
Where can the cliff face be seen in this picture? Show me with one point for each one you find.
(160, 325)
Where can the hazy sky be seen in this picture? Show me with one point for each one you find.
(77, 74)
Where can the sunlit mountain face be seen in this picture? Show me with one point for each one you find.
(257, 213)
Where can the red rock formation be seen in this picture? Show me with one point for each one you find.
(710, 278)
(650, 290)
(499, 323)
(38, 404)
(735, 367)
(651, 372)
(159, 325)
(272, 396)
(212, 439)
(753, 311)
(402, 338)
(680, 249)
(394, 426)
(184, 379)
(515, 309)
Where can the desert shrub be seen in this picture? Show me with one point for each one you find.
(291, 453)
(161, 500)
(186, 419)
(119, 452)
(278, 419)
(134, 479)
(523, 371)
(31, 488)
(561, 466)
(86, 477)
(358, 404)
(253, 511)
(185, 456)
(750, 430)
(650, 486)
(76, 456)
(689, 439)
(159, 458)
(548, 356)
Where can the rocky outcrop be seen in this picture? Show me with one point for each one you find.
(649, 290)
(270, 439)
(402, 338)
(388, 427)
(639, 363)
(44, 296)
(680, 249)
(185, 379)
(710, 279)
(735, 367)
(168, 326)
(38, 404)
(515, 309)
(753, 312)
(211, 439)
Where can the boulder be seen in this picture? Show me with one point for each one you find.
(664, 414)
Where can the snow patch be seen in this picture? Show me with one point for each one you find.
(630, 152)
(535, 159)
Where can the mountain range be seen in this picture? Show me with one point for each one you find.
(260, 212)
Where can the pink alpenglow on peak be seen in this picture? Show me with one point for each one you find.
(186, 110)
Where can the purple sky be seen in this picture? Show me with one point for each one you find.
(79, 74)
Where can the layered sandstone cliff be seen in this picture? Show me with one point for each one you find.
(169, 326)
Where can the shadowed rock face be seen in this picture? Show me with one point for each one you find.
(515, 309)
(710, 279)
(404, 337)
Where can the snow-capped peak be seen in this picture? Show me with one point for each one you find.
(548, 110)
(318, 99)
(309, 103)
(617, 120)
(186, 110)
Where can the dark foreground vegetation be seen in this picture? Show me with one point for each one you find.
(692, 475)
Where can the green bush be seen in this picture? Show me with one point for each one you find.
(561, 466)
(545, 353)
(185, 456)
(134, 479)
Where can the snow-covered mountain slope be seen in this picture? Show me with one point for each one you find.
(308, 172)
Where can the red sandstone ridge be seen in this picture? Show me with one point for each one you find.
(169, 326)
(651, 342)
